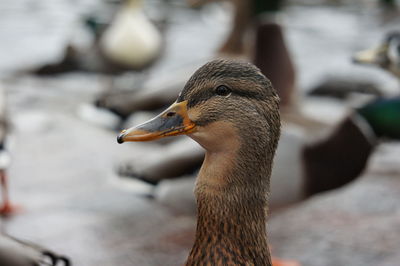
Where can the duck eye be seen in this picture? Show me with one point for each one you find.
(222, 90)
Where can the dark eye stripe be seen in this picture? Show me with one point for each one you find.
(205, 95)
(199, 97)
(248, 94)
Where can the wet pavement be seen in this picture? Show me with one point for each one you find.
(62, 174)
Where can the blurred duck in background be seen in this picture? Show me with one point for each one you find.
(343, 155)
(129, 42)
(385, 56)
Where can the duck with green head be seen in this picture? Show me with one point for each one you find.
(232, 111)
(386, 55)
(383, 115)
(343, 155)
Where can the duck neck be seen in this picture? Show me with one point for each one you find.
(231, 193)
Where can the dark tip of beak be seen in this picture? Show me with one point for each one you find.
(120, 138)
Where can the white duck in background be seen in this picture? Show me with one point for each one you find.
(131, 40)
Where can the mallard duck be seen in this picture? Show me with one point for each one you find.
(231, 109)
(342, 156)
(14, 252)
(340, 88)
(129, 42)
(386, 55)
(272, 56)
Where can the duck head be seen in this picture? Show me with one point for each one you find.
(225, 104)
(386, 55)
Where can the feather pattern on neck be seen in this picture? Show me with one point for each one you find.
(231, 193)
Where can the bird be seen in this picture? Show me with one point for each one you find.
(15, 252)
(386, 55)
(341, 157)
(131, 42)
(341, 88)
(272, 56)
(231, 109)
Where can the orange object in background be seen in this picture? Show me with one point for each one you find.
(279, 262)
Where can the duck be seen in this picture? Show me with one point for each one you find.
(231, 109)
(131, 42)
(342, 156)
(15, 252)
(341, 88)
(273, 57)
(386, 55)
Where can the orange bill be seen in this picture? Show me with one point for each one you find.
(173, 121)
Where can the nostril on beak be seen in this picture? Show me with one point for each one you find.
(170, 114)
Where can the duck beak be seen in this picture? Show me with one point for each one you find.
(172, 122)
(370, 56)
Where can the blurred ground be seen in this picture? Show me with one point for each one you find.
(62, 168)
